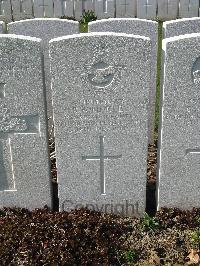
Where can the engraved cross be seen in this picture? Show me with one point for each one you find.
(102, 157)
(43, 6)
(11, 125)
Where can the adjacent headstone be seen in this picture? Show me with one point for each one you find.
(179, 167)
(100, 86)
(58, 8)
(2, 26)
(46, 29)
(188, 8)
(5, 11)
(78, 9)
(24, 164)
(105, 8)
(43, 8)
(146, 9)
(126, 8)
(22, 9)
(88, 5)
(138, 27)
(168, 9)
(64, 8)
(180, 27)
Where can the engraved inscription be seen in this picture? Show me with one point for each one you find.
(10, 125)
(102, 157)
(99, 115)
(189, 115)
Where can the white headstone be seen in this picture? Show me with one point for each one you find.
(69, 8)
(2, 26)
(43, 8)
(78, 9)
(138, 27)
(126, 8)
(168, 9)
(88, 5)
(180, 27)
(179, 167)
(105, 8)
(100, 85)
(5, 11)
(46, 29)
(146, 9)
(22, 9)
(188, 8)
(24, 158)
(58, 8)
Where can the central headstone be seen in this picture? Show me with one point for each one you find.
(141, 27)
(100, 85)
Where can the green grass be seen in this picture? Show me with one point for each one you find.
(84, 29)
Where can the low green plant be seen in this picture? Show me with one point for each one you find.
(198, 220)
(88, 16)
(196, 234)
(129, 256)
(196, 237)
(149, 223)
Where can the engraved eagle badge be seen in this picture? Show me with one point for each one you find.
(102, 76)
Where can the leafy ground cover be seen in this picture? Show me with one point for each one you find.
(84, 237)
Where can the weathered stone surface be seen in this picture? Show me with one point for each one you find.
(179, 167)
(188, 8)
(24, 164)
(146, 9)
(45, 29)
(138, 27)
(180, 27)
(100, 85)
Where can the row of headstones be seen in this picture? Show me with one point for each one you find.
(101, 89)
(148, 9)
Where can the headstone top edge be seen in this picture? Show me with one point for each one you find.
(179, 20)
(122, 19)
(180, 37)
(93, 34)
(45, 19)
(20, 37)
